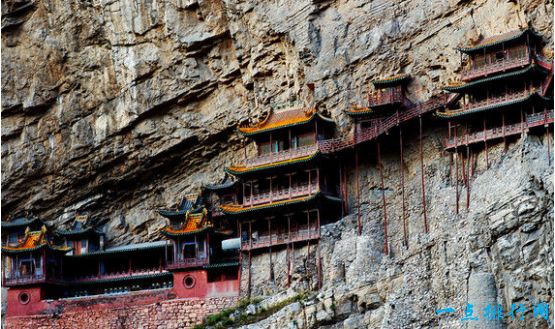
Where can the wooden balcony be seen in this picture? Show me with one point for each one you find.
(277, 239)
(386, 97)
(18, 280)
(495, 100)
(187, 263)
(117, 275)
(281, 194)
(495, 67)
(281, 156)
(534, 120)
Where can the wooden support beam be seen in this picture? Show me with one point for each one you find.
(424, 211)
(401, 166)
(486, 143)
(357, 187)
(468, 178)
(270, 249)
(288, 250)
(345, 186)
(380, 168)
(341, 193)
(318, 266)
(456, 176)
(250, 275)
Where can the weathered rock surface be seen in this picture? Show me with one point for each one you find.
(119, 107)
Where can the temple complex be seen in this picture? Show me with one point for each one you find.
(289, 189)
(505, 90)
(277, 198)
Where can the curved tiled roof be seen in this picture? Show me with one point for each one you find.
(239, 170)
(234, 209)
(497, 40)
(33, 240)
(356, 111)
(464, 86)
(283, 119)
(458, 113)
(391, 80)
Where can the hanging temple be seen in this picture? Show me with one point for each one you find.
(282, 196)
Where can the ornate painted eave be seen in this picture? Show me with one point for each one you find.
(359, 111)
(125, 278)
(220, 187)
(459, 113)
(391, 81)
(221, 265)
(283, 119)
(16, 250)
(241, 170)
(236, 209)
(79, 233)
(169, 232)
(497, 40)
(125, 249)
(463, 87)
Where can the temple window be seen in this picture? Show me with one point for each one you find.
(84, 246)
(189, 250)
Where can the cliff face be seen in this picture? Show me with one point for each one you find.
(120, 107)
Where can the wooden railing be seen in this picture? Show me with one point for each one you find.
(507, 97)
(497, 66)
(265, 241)
(115, 275)
(187, 262)
(23, 279)
(533, 120)
(337, 144)
(281, 194)
(383, 97)
(281, 156)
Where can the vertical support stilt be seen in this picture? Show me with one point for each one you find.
(270, 249)
(346, 188)
(468, 178)
(318, 266)
(288, 250)
(307, 272)
(359, 228)
(456, 155)
(401, 166)
(380, 167)
(486, 144)
(250, 276)
(548, 136)
(422, 177)
(341, 193)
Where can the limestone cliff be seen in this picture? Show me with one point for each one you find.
(119, 107)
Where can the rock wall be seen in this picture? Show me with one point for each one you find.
(129, 311)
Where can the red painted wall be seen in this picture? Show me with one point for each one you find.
(34, 306)
(203, 288)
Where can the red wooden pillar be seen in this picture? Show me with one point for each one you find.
(380, 167)
(422, 178)
(468, 178)
(288, 250)
(456, 174)
(486, 143)
(270, 247)
(401, 166)
(357, 187)
(546, 125)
